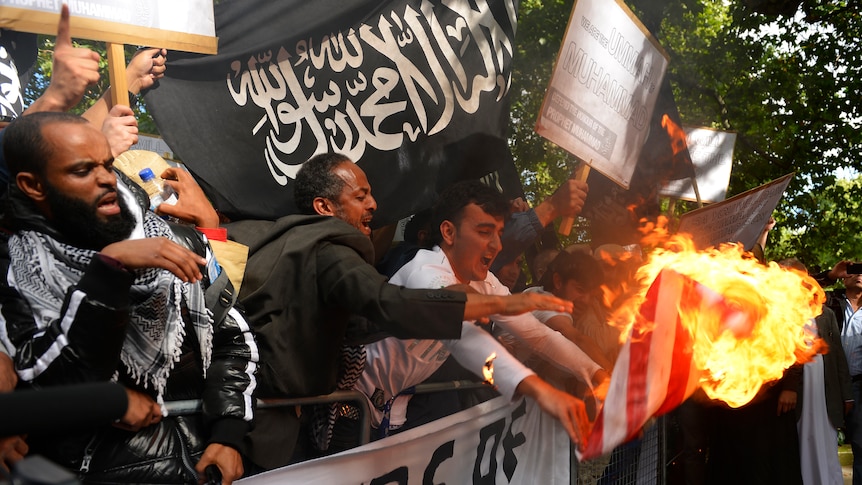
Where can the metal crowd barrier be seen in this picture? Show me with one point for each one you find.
(194, 406)
(642, 462)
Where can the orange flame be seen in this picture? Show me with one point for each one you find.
(488, 369)
(676, 133)
(655, 233)
(735, 358)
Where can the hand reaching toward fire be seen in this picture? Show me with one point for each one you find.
(480, 306)
(567, 409)
(601, 383)
(594, 397)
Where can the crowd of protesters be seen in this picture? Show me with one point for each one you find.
(98, 288)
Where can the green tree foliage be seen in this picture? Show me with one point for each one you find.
(541, 25)
(832, 230)
(783, 75)
(42, 77)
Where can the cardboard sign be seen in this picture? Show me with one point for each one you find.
(712, 154)
(154, 144)
(186, 26)
(738, 219)
(603, 89)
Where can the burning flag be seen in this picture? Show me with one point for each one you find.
(715, 319)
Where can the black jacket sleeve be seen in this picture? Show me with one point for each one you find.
(83, 344)
(346, 280)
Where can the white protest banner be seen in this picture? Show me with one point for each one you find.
(187, 26)
(712, 155)
(603, 88)
(738, 219)
(495, 442)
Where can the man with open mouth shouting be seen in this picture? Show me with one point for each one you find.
(307, 275)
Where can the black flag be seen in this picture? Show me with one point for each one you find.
(398, 86)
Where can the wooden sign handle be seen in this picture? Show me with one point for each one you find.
(117, 74)
(581, 173)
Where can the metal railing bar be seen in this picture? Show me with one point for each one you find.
(194, 406)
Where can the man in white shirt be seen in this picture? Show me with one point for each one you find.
(468, 222)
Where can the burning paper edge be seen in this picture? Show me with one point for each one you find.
(488, 369)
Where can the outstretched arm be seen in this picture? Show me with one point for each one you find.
(567, 409)
(479, 305)
(74, 70)
(157, 252)
(551, 345)
(473, 350)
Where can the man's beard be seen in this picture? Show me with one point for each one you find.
(340, 213)
(79, 222)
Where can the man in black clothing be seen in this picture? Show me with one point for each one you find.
(97, 288)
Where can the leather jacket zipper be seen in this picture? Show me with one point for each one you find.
(185, 456)
(89, 451)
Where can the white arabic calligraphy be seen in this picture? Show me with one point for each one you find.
(406, 73)
(11, 102)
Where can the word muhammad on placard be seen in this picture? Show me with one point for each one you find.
(603, 88)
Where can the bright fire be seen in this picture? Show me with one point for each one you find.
(676, 133)
(488, 369)
(736, 358)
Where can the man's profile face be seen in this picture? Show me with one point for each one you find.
(853, 281)
(81, 188)
(355, 205)
(475, 243)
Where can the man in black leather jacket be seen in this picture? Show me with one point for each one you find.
(97, 288)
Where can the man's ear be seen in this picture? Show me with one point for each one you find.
(323, 206)
(558, 281)
(447, 231)
(31, 184)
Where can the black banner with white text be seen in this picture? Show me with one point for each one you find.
(414, 91)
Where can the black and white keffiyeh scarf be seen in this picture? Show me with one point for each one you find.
(324, 416)
(44, 268)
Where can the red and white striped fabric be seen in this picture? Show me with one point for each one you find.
(654, 372)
